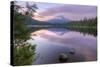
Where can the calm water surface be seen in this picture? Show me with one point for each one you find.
(52, 42)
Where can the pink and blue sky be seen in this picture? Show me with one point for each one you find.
(47, 11)
(72, 12)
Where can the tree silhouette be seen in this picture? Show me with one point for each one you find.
(31, 9)
(23, 53)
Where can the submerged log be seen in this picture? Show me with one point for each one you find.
(63, 57)
(34, 34)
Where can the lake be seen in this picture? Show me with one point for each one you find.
(52, 42)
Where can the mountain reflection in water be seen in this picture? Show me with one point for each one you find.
(54, 41)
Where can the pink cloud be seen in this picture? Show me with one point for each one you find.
(72, 11)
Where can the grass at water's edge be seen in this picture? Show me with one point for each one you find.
(24, 54)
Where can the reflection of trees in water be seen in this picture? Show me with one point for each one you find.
(84, 31)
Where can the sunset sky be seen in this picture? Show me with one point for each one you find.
(47, 11)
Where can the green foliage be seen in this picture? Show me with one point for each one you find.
(84, 23)
(20, 31)
(24, 55)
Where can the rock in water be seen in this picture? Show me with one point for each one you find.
(72, 51)
(63, 57)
